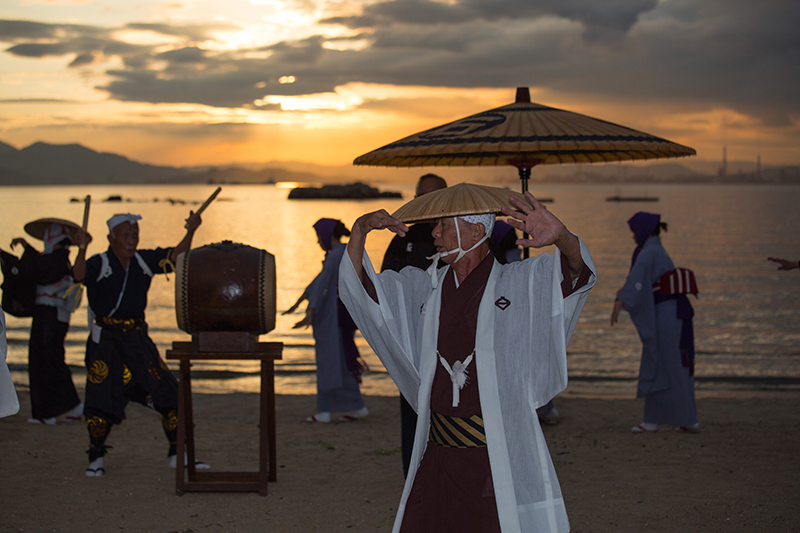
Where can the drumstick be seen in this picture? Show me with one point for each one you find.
(210, 199)
(207, 202)
(86, 205)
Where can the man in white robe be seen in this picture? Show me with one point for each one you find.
(524, 323)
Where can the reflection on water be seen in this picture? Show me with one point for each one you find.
(747, 320)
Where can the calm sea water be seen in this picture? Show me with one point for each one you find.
(747, 322)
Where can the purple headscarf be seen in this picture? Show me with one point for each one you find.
(324, 228)
(642, 225)
(500, 230)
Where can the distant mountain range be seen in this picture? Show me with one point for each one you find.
(65, 164)
(68, 164)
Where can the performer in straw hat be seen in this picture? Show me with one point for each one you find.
(52, 392)
(122, 362)
(476, 346)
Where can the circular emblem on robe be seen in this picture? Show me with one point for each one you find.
(97, 426)
(171, 420)
(638, 286)
(126, 375)
(98, 372)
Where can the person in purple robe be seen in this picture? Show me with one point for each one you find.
(339, 367)
(666, 372)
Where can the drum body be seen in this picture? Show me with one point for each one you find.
(225, 286)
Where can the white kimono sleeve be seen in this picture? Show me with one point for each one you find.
(392, 327)
(9, 404)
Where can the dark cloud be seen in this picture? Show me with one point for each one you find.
(200, 32)
(304, 52)
(437, 38)
(39, 50)
(740, 54)
(11, 30)
(82, 59)
(190, 54)
(149, 86)
(16, 30)
(37, 101)
(619, 14)
(610, 14)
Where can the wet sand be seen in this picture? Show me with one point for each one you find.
(740, 473)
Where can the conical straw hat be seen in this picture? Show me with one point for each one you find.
(37, 227)
(461, 199)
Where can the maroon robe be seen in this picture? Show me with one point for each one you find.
(453, 489)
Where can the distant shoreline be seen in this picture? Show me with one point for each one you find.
(47, 164)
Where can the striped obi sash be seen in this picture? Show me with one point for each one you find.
(126, 325)
(678, 281)
(453, 432)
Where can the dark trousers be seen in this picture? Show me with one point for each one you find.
(125, 366)
(52, 390)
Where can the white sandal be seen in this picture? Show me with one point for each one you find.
(96, 468)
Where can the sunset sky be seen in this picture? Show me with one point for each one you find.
(191, 82)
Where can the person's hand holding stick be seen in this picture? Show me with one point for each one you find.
(206, 204)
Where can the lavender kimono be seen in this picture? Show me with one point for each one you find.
(337, 387)
(666, 385)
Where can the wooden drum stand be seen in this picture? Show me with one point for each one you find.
(227, 345)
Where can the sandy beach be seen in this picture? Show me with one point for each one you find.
(740, 473)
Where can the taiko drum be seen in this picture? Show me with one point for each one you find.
(225, 286)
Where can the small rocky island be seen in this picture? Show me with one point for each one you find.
(350, 191)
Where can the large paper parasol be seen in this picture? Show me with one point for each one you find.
(523, 134)
(461, 199)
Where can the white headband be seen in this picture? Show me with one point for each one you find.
(487, 219)
(54, 233)
(116, 220)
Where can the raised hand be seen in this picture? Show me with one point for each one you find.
(307, 320)
(540, 224)
(19, 240)
(784, 264)
(363, 225)
(81, 238)
(379, 220)
(193, 222)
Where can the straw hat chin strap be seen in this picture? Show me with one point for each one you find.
(461, 253)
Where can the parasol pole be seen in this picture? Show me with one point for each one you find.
(208, 202)
(524, 175)
(524, 167)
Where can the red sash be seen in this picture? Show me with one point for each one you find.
(678, 281)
